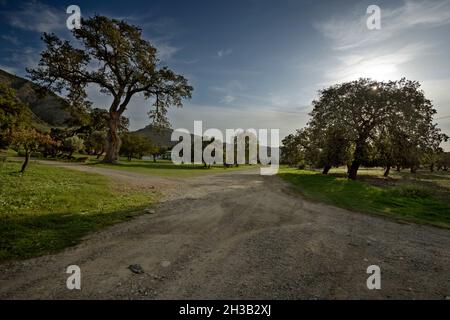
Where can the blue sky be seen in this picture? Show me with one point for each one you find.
(257, 63)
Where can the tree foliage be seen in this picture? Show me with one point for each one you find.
(367, 122)
(72, 145)
(113, 56)
(95, 143)
(13, 114)
(29, 140)
(136, 146)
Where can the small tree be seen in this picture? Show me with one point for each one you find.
(157, 150)
(291, 153)
(95, 143)
(13, 114)
(135, 145)
(444, 161)
(72, 145)
(29, 140)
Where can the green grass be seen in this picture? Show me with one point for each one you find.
(422, 198)
(8, 153)
(49, 208)
(166, 168)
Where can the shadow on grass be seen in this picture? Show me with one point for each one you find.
(441, 175)
(26, 236)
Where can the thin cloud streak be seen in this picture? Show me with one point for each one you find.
(350, 32)
(37, 17)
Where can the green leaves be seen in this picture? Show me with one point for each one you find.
(113, 55)
(372, 116)
(13, 114)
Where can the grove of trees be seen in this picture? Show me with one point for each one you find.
(368, 123)
(136, 146)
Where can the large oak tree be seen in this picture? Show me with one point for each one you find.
(112, 55)
(367, 110)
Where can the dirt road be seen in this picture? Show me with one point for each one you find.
(240, 235)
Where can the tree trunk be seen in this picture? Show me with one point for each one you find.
(413, 169)
(100, 154)
(386, 172)
(154, 158)
(27, 159)
(353, 172)
(358, 157)
(398, 168)
(432, 167)
(326, 169)
(113, 139)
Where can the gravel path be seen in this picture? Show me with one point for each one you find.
(240, 235)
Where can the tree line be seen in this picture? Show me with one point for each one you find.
(369, 123)
(85, 132)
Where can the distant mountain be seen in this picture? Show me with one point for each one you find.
(159, 136)
(50, 110)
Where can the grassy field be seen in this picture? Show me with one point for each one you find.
(423, 197)
(50, 208)
(163, 168)
(166, 168)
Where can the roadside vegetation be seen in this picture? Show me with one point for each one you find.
(422, 198)
(51, 208)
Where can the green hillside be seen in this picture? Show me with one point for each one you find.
(48, 110)
(159, 136)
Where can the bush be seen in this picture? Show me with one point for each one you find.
(72, 145)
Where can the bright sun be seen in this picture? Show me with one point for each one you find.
(379, 72)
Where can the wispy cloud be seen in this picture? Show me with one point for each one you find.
(224, 52)
(165, 50)
(21, 59)
(381, 54)
(37, 16)
(229, 91)
(378, 64)
(228, 99)
(11, 39)
(349, 32)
